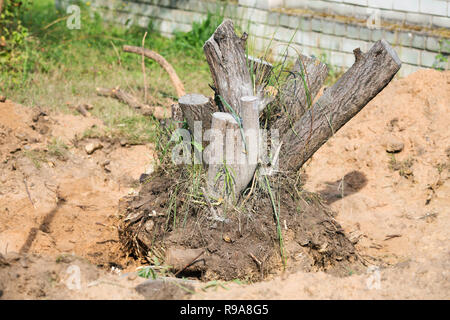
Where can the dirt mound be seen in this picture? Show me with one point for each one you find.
(244, 245)
(395, 204)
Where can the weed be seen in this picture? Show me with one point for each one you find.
(36, 157)
(13, 37)
(154, 271)
(441, 60)
(276, 212)
(192, 42)
(228, 174)
(403, 167)
(57, 148)
(215, 284)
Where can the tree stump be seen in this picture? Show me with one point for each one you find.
(233, 237)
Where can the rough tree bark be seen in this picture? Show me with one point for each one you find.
(236, 145)
(228, 64)
(261, 69)
(177, 115)
(302, 85)
(370, 73)
(220, 154)
(197, 107)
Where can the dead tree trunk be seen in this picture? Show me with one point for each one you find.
(226, 58)
(370, 73)
(177, 115)
(233, 149)
(297, 95)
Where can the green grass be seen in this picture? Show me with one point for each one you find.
(36, 157)
(57, 148)
(62, 67)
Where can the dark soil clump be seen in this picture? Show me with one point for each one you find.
(243, 242)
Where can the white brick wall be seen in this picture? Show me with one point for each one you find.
(424, 12)
(407, 5)
(309, 33)
(436, 7)
(381, 4)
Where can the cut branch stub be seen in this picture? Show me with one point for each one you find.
(302, 86)
(221, 153)
(249, 159)
(197, 107)
(370, 73)
(228, 64)
(232, 163)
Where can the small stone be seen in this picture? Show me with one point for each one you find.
(132, 276)
(24, 263)
(20, 136)
(150, 169)
(149, 225)
(44, 129)
(92, 146)
(105, 165)
(394, 145)
(143, 178)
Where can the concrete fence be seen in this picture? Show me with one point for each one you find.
(417, 29)
(432, 13)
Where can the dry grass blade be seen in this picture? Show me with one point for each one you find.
(143, 68)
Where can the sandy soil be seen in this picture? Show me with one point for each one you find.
(395, 206)
(63, 204)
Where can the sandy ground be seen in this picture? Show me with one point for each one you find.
(394, 205)
(63, 204)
